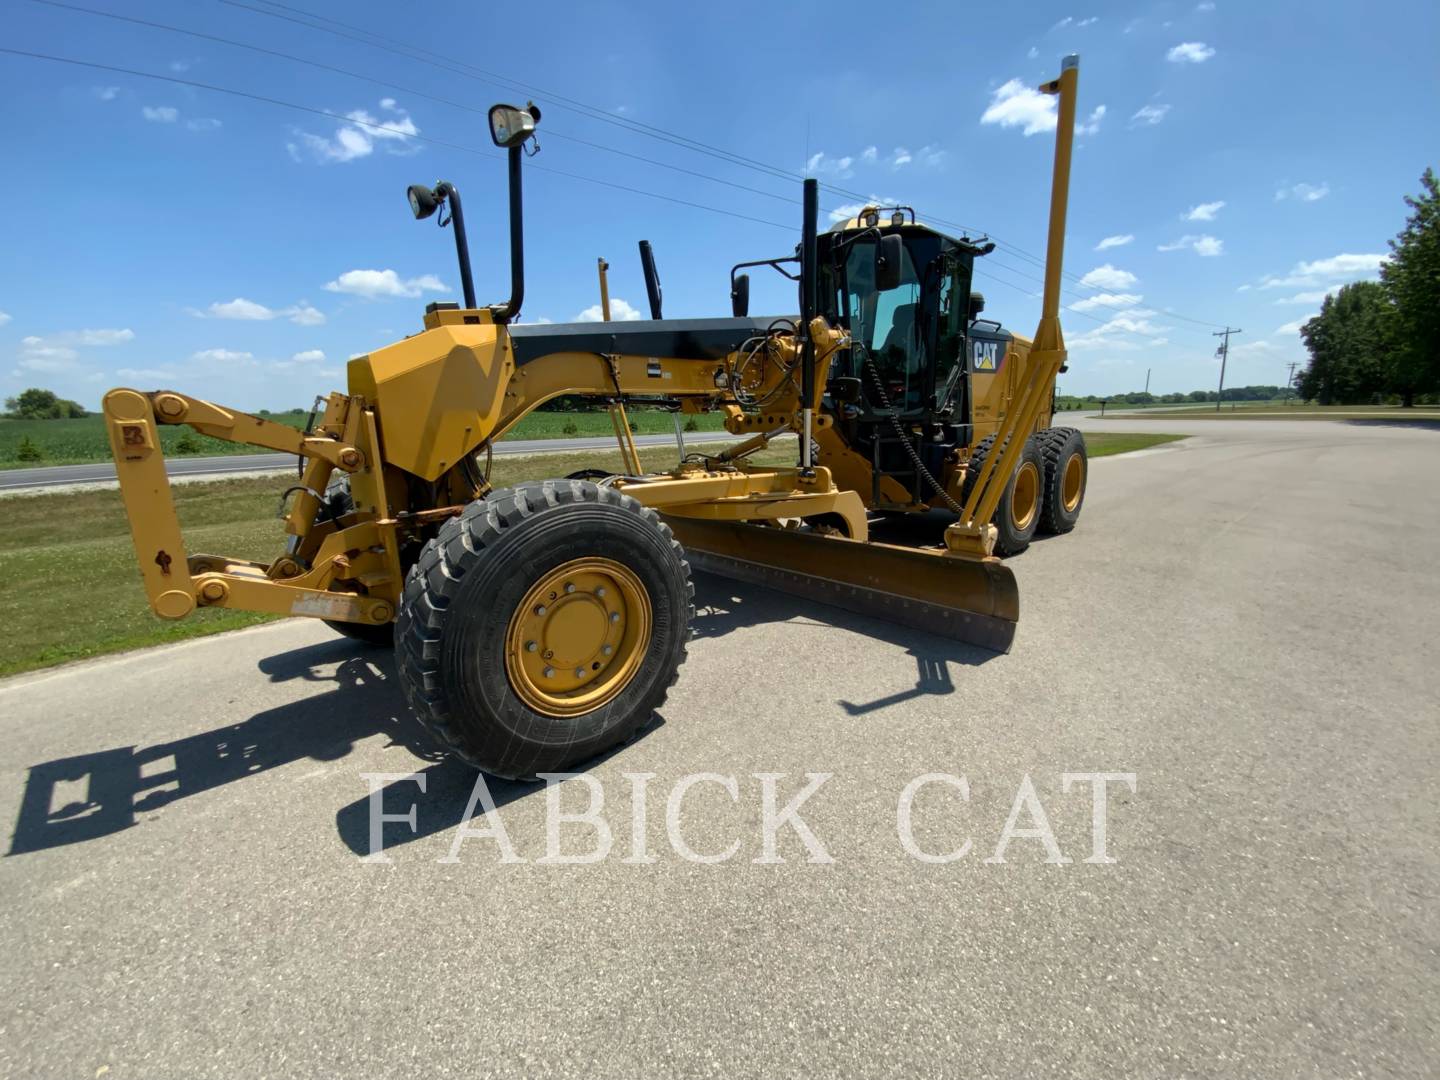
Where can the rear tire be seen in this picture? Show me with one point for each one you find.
(1067, 469)
(1018, 513)
(517, 681)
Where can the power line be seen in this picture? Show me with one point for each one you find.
(373, 126)
(396, 47)
(504, 83)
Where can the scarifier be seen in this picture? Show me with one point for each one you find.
(539, 625)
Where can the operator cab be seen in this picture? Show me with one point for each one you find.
(915, 338)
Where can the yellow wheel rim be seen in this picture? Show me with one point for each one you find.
(578, 637)
(1025, 499)
(1073, 482)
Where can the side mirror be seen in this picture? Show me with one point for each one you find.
(510, 126)
(740, 296)
(889, 262)
(844, 390)
(422, 201)
(977, 305)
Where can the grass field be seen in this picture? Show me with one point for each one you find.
(72, 590)
(77, 442)
(1269, 410)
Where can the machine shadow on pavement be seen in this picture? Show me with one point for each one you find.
(94, 795)
(722, 606)
(97, 794)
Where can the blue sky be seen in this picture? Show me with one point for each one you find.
(1235, 162)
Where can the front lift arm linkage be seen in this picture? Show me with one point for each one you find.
(345, 574)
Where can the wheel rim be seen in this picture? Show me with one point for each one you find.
(1072, 484)
(1025, 497)
(578, 637)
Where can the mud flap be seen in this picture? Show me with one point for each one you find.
(962, 599)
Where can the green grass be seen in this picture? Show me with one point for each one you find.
(70, 588)
(1105, 443)
(79, 442)
(1270, 410)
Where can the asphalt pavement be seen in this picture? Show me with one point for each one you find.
(1247, 622)
(194, 468)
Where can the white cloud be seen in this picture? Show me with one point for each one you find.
(47, 359)
(1120, 333)
(203, 123)
(869, 154)
(4, 318)
(838, 167)
(1313, 296)
(1329, 271)
(1109, 277)
(1091, 21)
(1190, 52)
(1201, 245)
(302, 314)
(1066, 21)
(900, 157)
(375, 283)
(222, 356)
(849, 210)
(620, 311)
(1303, 192)
(1017, 104)
(106, 93)
(160, 114)
(1293, 327)
(1107, 301)
(1149, 115)
(181, 66)
(1114, 242)
(1033, 53)
(309, 356)
(359, 134)
(1206, 211)
(1091, 126)
(83, 337)
(145, 373)
(1205, 7)
(240, 308)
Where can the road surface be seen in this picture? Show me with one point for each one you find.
(1246, 621)
(52, 476)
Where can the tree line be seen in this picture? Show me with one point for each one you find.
(1379, 340)
(37, 404)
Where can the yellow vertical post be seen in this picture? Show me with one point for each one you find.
(1047, 355)
(629, 455)
(604, 290)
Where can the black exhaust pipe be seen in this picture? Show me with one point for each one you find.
(652, 278)
(510, 311)
(809, 296)
(462, 243)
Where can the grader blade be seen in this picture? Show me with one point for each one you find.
(965, 600)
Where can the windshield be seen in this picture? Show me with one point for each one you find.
(891, 327)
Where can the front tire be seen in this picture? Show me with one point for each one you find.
(543, 626)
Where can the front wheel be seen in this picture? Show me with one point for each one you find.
(543, 626)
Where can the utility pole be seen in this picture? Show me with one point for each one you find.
(1147, 380)
(1224, 352)
(1291, 383)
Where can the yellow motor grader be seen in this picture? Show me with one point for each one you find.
(539, 625)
